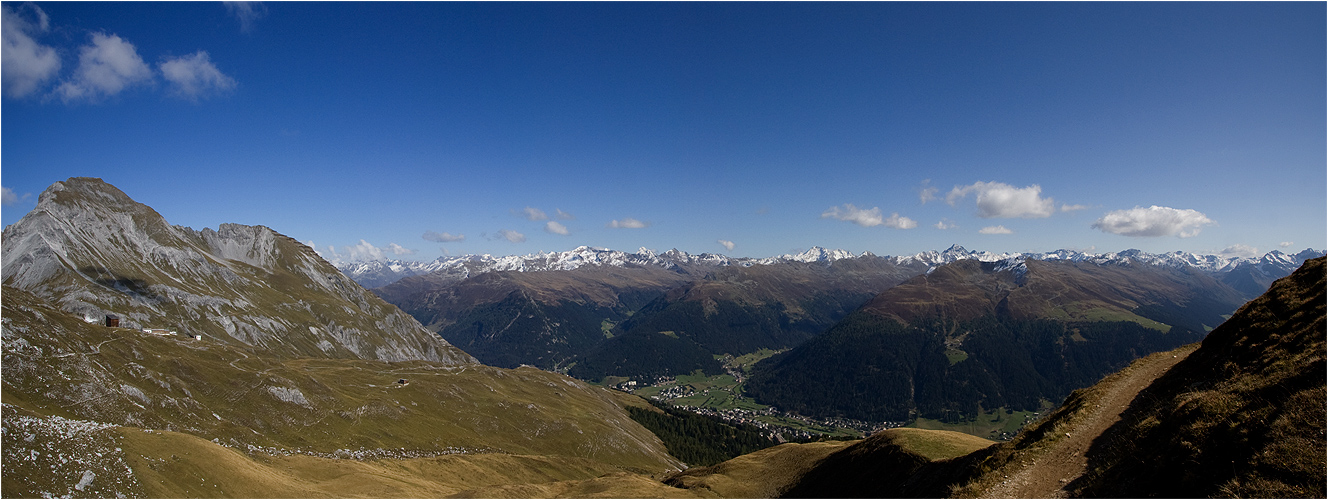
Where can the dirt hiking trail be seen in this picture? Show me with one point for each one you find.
(1046, 473)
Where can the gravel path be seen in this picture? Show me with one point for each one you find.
(1046, 475)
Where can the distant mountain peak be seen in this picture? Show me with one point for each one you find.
(373, 274)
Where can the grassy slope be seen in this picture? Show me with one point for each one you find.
(1241, 417)
(175, 465)
(892, 463)
(1034, 463)
(57, 366)
(762, 474)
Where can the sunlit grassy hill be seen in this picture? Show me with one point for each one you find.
(58, 367)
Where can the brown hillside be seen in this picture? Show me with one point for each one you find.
(1243, 416)
(1063, 290)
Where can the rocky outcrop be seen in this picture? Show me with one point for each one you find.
(92, 251)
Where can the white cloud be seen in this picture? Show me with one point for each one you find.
(330, 255)
(995, 230)
(400, 250)
(556, 228)
(247, 13)
(534, 214)
(868, 218)
(945, 224)
(24, 64)
(511, 236)
(1072, 208)
(1000, 200)
(1286, 244)
(9, 197)
(105, 68)
(443, 237)
(1153, 221)
(927, 192)
(627, 223)
(1239, 250)
(728, 245)
(194, 76)
(363, 251)
(563, 215)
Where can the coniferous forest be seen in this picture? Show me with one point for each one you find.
(700, 440)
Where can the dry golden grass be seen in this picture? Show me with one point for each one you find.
(761, 474)
(935, 444)
(175, 465)
(614, 485)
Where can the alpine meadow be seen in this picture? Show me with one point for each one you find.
(663, 249)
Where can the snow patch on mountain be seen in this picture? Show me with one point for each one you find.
(382, 272)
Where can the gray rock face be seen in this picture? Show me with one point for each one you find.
(90, 249)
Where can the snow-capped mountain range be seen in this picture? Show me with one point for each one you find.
(372, 274)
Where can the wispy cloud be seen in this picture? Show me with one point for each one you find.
(1072, 208)
(1239, 250)
(194, 76)
(363, 251)
(400, 250)
(247, 12)
(1000, 200)
(1153, 221)
(945, 224)
(25, 65)
(556, 228)
(995, 230)
(561, 215)
(627, 223)
(511, 236)
(105, 68)
(868, 218)
(927, 192)
(533, 214)
(443, 237)
(8, 197)
(1286, 244)
(728, 245)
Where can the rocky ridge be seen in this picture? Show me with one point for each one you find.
(93, 251)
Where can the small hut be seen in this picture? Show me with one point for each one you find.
(112, 321)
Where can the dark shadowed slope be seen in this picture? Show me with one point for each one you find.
(1243, 416)
(973, 336)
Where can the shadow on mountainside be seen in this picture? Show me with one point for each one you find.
(1240, 415)
(1243, 416)
(137, 287)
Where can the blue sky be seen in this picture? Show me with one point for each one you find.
(406, 130)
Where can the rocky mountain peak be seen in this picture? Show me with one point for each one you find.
(91, 250)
